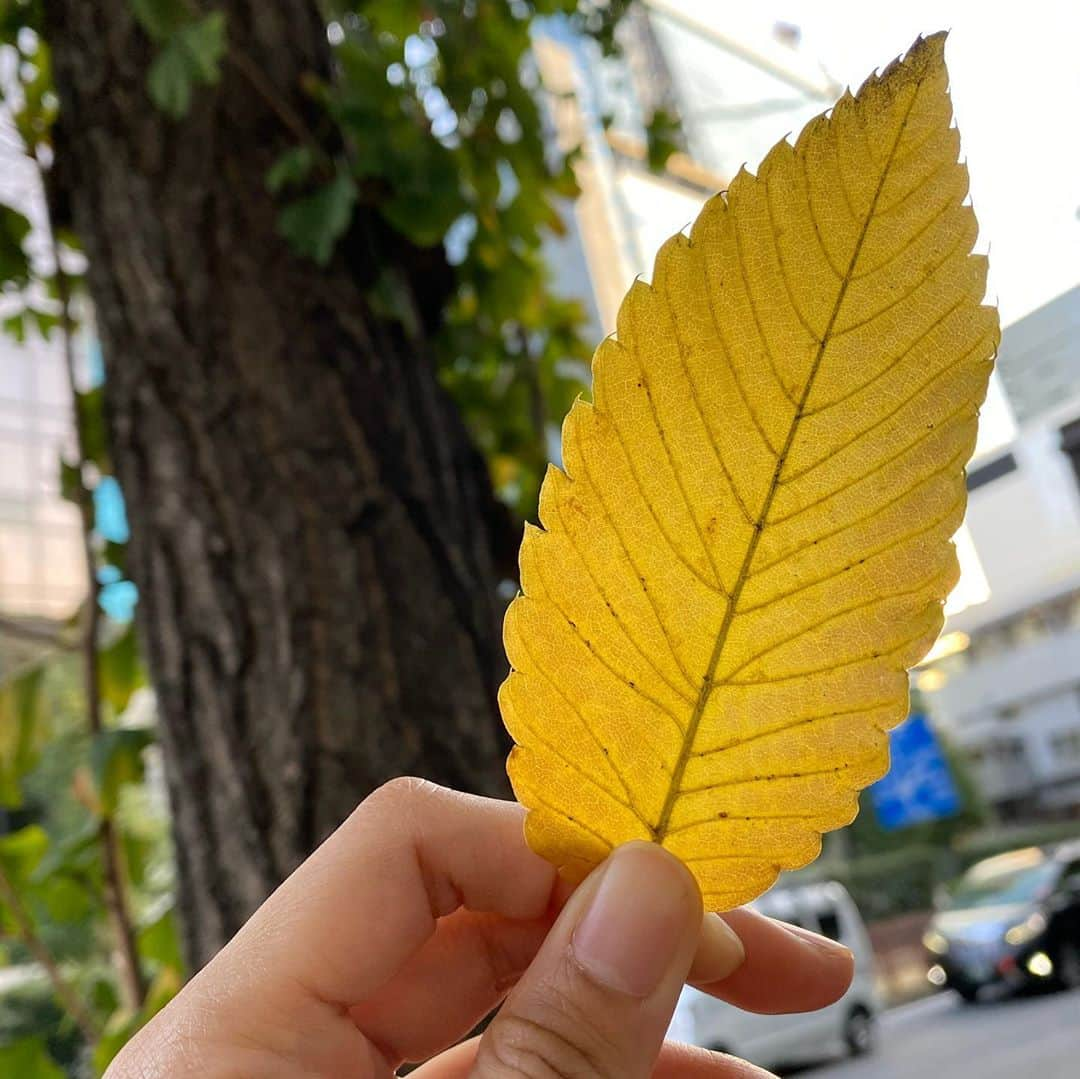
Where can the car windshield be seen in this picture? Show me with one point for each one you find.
(1022, 885)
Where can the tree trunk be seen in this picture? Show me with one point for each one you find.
(314, 538)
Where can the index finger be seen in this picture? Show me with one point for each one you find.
(787, 969)
(370, 896)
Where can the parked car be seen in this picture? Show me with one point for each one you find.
(1009, 921)
(774, 1040)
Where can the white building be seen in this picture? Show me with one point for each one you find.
(1010, 692)
(42, 564)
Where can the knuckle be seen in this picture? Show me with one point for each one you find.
(399, 792)
(519, 1048)
(558, 1037)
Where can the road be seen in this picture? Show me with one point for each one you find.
(1037, 1037)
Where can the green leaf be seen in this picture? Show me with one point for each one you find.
(91, 406)
(291, 168)
(45, 321)
(116, 759)
(122, 1025)
(115, 554)
(120, 671)
(14, 263)
(204, 42)
(21, 851)
(190, 57)
(28, 1059)
(71, 485)
(66, 900)
(662, 134)
(160, 18)
(15, 326)
(75, 854)
(314, 224)
(22, 732)
(159, 942)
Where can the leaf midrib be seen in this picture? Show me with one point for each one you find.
(662, 828)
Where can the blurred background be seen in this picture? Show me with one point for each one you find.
(293, 305)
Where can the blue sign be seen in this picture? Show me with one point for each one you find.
(919, 786)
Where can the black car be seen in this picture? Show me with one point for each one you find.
(1010, 920)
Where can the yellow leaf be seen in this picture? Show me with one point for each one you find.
(751, 541)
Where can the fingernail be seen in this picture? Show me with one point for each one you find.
(719, 954)
(637, 919)
(819, 943)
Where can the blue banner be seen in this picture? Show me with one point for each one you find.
(919, 786)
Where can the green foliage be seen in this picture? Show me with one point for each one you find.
(55, 862)
(663, 138)
(91, 409)
(22, 731)
(14, 262)
(119, 670)
(161, 18)
(895, 882)
(28, 1059)
(444, 107)
(159, 942)
(315, 223)
(123, 1025)
(21, 851)
(191, 50)
(28, 1013)
(19, 324)
(70, 481)
(291, 169)
(116, 759)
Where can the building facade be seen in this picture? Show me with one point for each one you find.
(1009, 694)
(42, 565)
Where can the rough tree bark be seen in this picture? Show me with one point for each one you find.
(314, 539)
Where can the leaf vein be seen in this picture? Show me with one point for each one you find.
(961, 243)
(806, 721)
(868, 517)
(694, 396)
(618, 621)
(878, 466)
(574, 710)
(887, 367)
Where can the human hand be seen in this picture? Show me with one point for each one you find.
(417, 917)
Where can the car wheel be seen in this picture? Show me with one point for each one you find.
(1068, 964)
(859, 1032)
(969, 994)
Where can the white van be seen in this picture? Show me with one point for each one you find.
(773, 1040)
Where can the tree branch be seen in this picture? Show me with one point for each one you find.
(27, 631)
(129, 969)
(28, 934)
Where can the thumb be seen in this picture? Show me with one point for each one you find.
(598, 998)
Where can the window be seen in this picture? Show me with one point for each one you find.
(1066, 744)
(1070, 445)
(1000, 466)
(830, 923)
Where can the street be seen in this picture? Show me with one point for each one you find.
(1034, 1036)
